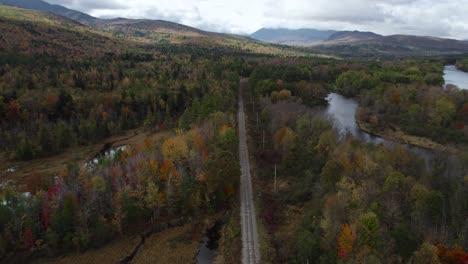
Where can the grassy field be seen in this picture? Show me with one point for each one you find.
(110, 254)
(170, 246)
(173, 246)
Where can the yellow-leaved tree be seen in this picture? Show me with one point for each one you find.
(175, 148)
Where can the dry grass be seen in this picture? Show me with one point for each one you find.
(170, 246)
(109, 254)
(401, 137)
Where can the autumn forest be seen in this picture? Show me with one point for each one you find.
(110, 133)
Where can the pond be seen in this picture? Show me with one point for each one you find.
(454, 76)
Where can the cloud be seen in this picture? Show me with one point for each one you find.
(444, 18)
(89, 5)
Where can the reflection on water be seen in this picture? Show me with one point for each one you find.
(342, 111)
(454, 76)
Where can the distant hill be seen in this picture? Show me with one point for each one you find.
(40, 5)
(25, 31)
(85, 19)
(356, 43)
(297, 37)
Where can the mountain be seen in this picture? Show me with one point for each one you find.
(31, 32)
(356, 43)
(297, 37)
(40, 5)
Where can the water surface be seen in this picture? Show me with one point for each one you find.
(456, 77)
(342, 111)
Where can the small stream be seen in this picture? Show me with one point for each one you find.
(209, 244)
(107, 152)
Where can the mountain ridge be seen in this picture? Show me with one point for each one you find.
(291, 36)
(40, 5)
(359, 43)
(342, 43)
(31, 32)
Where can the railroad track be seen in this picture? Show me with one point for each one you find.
(250, 245)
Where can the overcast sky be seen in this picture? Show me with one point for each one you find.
(443, 18)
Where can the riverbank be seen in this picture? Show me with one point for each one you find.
(399, 136)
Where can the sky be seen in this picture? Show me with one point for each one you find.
(441, 18)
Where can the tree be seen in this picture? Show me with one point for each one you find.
(24, 149)
(427, 254)
(308, 245)
(352, 82)
(346, 241)
(281, 95)
(175, 148)
(331, 174)
(228, 139)
(284, 139)
(368, 230)
(445, 110)
(152, 198)
(327, 143)
(406, 241)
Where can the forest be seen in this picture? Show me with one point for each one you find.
(334, 199)
(64, 103)
(321, 194)
(189, 173)
(337, 199)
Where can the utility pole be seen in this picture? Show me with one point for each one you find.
(275, 176)
(251, 100)
(257, 120)
(263, 147)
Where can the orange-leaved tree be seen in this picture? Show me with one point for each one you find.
(346, 241)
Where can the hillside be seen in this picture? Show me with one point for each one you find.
(47, 33)
(31, 32)
(363, 44)
(40, 5)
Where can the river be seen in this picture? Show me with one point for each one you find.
(456, 77)
(342, 110)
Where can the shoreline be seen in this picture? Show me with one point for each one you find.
(403, 138)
